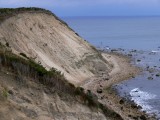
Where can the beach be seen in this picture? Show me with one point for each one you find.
(102, 86)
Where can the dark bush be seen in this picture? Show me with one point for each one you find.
(7, 44)
(79, 91)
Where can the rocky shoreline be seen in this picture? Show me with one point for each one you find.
(101, 86)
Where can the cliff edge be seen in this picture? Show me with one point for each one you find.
(40, 35)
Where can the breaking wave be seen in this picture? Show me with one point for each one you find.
(141, 98)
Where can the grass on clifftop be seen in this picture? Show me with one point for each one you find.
(9, 12)
(6, 13)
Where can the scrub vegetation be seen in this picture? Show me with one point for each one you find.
(5, 13)
(50, 78)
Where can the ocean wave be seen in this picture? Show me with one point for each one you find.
(154, 51)
(141, 97)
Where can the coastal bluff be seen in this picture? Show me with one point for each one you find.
(49, 72)
(41, 35)
(42, 60)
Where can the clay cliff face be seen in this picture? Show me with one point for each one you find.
(44, 38)
(53, 44)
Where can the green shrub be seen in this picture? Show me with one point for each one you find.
(38, 68)
(5, 93)
(29, 67)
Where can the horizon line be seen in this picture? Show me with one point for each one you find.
(113, 16)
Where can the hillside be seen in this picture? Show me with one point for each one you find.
(41, 62)
(48, 72)
(29, 92)
(41, 36)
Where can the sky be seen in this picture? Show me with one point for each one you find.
(91, 7)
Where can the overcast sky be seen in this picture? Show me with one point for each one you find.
(91, 7)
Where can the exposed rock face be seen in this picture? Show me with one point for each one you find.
(50, 42)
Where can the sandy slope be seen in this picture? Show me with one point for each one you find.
(51, 43)
(29, 100)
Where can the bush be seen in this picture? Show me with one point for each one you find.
(7, 44)
(92, 99)
(38, 68)
(5, 93)
(51, 78)
(20, 66)
(79, 91)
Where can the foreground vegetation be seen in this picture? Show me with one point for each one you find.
(23, 66)
(5, 13)
(27, 67)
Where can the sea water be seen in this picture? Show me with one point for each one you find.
(126, 32)
(138, 33)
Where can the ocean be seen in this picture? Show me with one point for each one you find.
(126, 32)
(129, 33)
